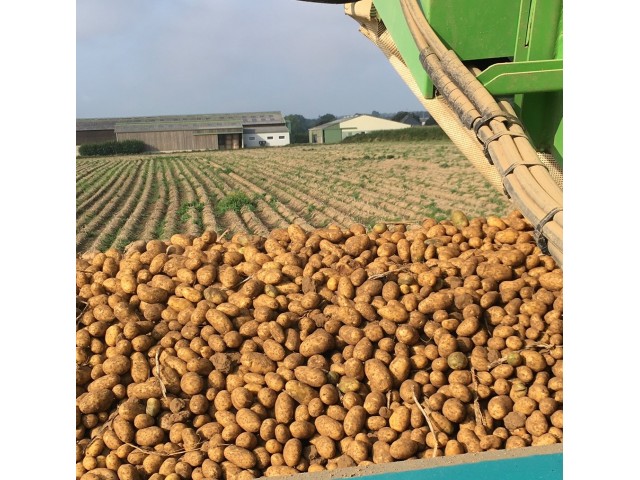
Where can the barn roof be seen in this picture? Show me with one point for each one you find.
(334, 122)
(172, 126)
(181, 122)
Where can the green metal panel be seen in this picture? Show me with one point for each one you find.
(541, 112)
(529, 32)
(333, 134)
(394, 21)
(473, 29)
(524, 77)
(545, 25)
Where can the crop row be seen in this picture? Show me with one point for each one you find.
(122, 199)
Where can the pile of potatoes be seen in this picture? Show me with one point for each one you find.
(206, 358)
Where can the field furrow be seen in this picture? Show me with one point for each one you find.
(207, 217)
(173, 181)
(334, 210)
(369, 202)
(154, 224)
(271, 211)
(189, 204)
(111, 230)
(132, 228)
(354, 183)
(101, 230)
(299, 202)
(121, 199)
(269, 214)
(89, 170)
(245, 221)
(230, 220)
(97, 179)
(114, 176)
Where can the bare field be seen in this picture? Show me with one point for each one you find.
(122, 199)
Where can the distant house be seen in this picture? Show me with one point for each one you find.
(341, 128)
(410, 119)
(219, 131)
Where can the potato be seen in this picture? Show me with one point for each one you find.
(436, 301)
(149, 294)
(551, 280)
(380, 453)
(241, 457)
(374, 401)
(354, 420)
(400, 368)
(284, 408)
(302, 429)
(403, 448)
(150, 436)
(313, 376)
(394, 311)
(127, 472)
(249, 420)
(495, 271)
(537, 424)
(106, 382)
(500, 406)
(301, 392)
(357, 244)
(97, 401)
(143, 391)
(379, 376)
(258, 362)
(123, 429)
(100, 473)
(273, 350)
(400, 419)
(279, 470)
(454, 410)
(292, 452)
(318, 342)
(328, 427)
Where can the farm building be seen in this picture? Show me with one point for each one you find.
(338, 130)
(222, 131)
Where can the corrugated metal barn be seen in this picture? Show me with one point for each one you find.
(338, 130)
(188, 132)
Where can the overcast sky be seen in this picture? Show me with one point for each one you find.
(161, 57)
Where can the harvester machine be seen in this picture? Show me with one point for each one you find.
(490, 74)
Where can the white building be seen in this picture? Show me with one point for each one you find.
(265, 136)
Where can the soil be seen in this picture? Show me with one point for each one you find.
(311, 185)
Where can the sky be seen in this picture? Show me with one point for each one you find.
(163, 57)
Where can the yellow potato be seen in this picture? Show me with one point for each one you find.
(379, 376)
(402, 449)
(150, 436)
(97, 401)
(318, 342)
(240, 457)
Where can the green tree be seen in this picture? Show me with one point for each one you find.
(326, 118)
(298, 127)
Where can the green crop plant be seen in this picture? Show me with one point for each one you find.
(234, 202)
